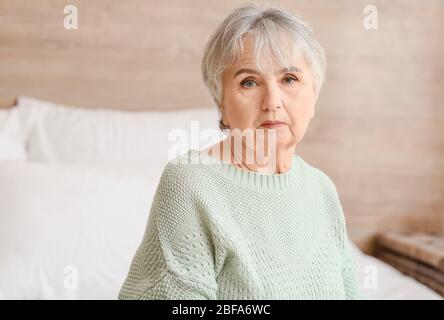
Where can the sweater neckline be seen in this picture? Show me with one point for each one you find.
(256, 180)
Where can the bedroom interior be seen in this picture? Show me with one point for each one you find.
(78, 106)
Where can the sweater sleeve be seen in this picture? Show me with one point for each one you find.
(350, 274)
(349, 268)
(175, 259)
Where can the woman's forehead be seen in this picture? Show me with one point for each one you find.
(267, 65)
(268, 60)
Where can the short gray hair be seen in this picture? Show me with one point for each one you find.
(269, 26)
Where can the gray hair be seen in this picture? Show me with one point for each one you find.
(268, 26)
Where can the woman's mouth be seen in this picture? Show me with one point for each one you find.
(272, 124)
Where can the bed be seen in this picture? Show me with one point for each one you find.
(62, 237)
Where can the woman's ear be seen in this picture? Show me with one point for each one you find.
(222, 118)
(222, 124)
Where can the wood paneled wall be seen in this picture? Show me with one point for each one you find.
(379, 125)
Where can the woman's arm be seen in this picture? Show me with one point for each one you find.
(350, 273)
(349, 268)
(175, 259)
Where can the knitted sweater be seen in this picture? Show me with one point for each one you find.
(216, 231)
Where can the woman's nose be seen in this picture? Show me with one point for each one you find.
(272, 99)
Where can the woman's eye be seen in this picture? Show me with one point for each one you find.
(291, 80)
(248, 83)
(252, 83)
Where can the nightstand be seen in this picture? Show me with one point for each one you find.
(418, 255)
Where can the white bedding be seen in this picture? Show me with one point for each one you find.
(69, 229)
(3, 113)
(390, 284)
(69, 232)
(55, 133)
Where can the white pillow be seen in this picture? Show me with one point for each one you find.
(3, 114)
(62, 223)
(63, 134)
(13, 134)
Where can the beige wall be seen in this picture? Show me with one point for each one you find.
(379, 126)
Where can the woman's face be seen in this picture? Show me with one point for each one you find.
(250, 98)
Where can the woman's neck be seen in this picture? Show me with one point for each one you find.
(273, 162)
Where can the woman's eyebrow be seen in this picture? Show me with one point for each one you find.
(290, 69)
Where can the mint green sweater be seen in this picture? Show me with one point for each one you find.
(216, 231)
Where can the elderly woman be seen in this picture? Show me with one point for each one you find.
(236, 229)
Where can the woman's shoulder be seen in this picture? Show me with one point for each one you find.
(318, 177)
(184, 171)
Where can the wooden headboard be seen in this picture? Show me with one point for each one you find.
(379, 125)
